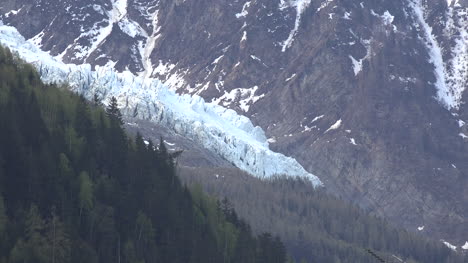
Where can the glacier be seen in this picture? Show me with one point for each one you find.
(216, 128)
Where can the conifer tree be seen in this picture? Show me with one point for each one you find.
(58, 240)
(113, 111)
(97, 100)
(3, 217)
(86, 192)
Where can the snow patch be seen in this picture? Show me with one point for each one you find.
(357, 65)
(387, 19)
(255, 58)
(347, 16)
(242, 97)
(324, 5)
(308, 129)
(217, 59)
(98, 9)
(258, 59)
(452, 247)
(334, 126)
(244, 36)
(174, 80)
(218, 129)
(454, 2)
(131, 28)
(397, 258)
(465, 246)
(164, 68)
(317, 118)
(13, 12)
(290, 78)
(244, 11)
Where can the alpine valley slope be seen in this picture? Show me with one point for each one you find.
(368, 95)
(216, 128)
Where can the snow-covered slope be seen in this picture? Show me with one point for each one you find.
(219, 129)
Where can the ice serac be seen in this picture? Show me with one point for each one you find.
(218, 129)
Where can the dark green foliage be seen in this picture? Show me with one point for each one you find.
(74, 188)
(113, 111)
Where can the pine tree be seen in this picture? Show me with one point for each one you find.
(58, 240)
(113, 111)
(86, 192)
(3, 217)
(83, 122)
(34, 248)
(97, 100)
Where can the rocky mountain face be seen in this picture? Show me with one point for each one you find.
(367, 95)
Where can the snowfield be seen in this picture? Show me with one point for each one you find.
(218, 129)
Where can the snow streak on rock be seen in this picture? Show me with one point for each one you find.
(457, 68)
(357, 65)
(97, 35)
(242, 97)
(451, 78)
(435, 54)
(334, 126)
(452, 247)
(324, 5)
(149, 47)
(244, 11)
(301, 6)
(218, 129)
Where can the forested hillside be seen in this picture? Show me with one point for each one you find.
(75, 188)
(314, 226)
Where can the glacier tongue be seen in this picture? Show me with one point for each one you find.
(216, 128)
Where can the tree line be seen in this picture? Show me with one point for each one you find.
(74, 187)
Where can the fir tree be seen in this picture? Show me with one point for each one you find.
(113, 111)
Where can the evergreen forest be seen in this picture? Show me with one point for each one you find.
(315, 226)
(74, 187)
